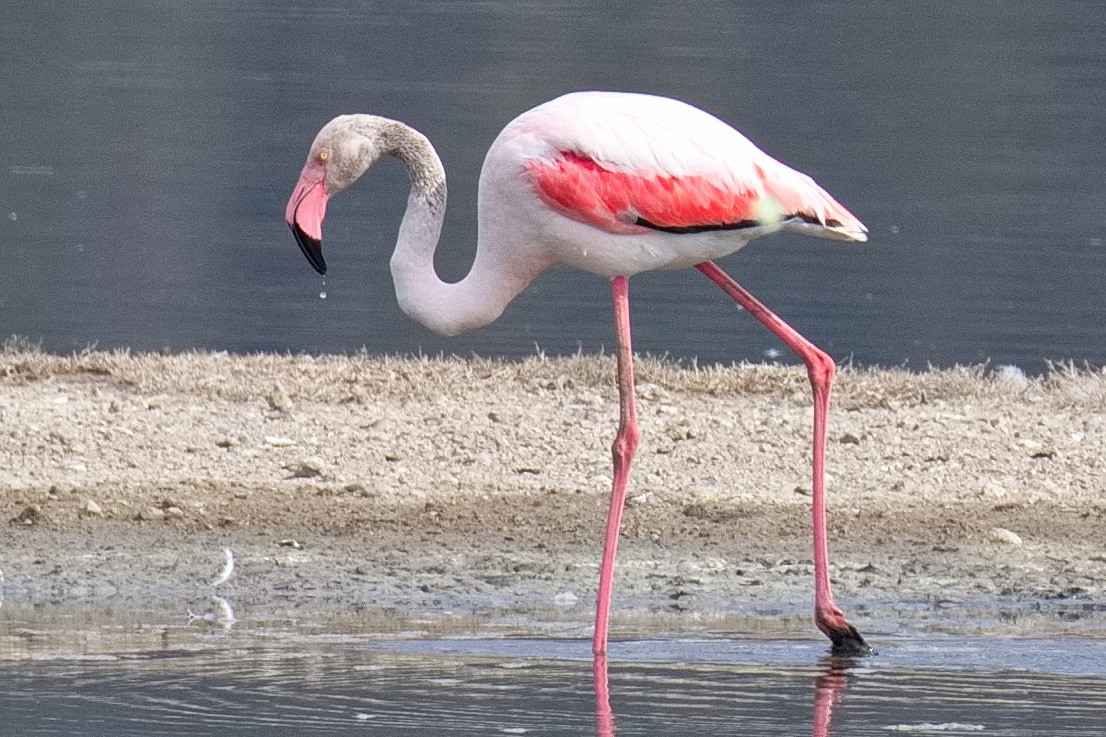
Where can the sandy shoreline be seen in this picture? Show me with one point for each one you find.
(426, 486)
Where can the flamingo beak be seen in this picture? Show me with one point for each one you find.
(305, 212)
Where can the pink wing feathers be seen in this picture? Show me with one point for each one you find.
(657, 164)
(625, 202)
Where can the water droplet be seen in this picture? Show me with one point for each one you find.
(12, 216)
(894, 230)
(322, 294)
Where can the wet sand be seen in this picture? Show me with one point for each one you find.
(392, 490)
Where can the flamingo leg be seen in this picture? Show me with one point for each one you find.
(820, 368)
(622, 450)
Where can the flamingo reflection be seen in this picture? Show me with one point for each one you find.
(829, 685)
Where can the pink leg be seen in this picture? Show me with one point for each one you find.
(820, 368)
(625, 443)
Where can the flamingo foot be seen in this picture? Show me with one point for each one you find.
(844, 638)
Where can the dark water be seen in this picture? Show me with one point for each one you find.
(486, 687)
(147, 150)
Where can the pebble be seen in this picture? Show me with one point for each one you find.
(1011, 375)
(309, 468)
(649, 390)
(1003, 535)
(93, 508)
(566, 598)
(278, 400)
(993, 489)
(279, 442)
(30, 514)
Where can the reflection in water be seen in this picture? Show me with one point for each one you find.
(245, 684)
(828, 688)
(224, 616)
(604, 719)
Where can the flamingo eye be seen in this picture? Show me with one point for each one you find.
(324, 155)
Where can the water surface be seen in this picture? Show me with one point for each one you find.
(336, 685)
(147, 150)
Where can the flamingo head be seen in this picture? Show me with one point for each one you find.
(342, 151)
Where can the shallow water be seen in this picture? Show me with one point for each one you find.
(271, 683)
(147, 150)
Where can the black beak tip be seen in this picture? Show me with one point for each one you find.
(312, 249)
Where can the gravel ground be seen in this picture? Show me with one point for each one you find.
(399, 490)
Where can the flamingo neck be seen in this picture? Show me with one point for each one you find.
(449, 309)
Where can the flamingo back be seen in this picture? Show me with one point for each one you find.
(637, 165)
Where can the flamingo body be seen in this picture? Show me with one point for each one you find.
(606, 182)
(686, 185)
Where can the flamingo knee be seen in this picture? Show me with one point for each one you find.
(820, 367)
(625, 444)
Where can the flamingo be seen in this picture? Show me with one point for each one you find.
(615, 184)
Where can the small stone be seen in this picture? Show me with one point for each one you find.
(29, 515)
(279, 442)
(849, 439)
(115, 406)
(278, 400)
(153, 404)
(650, 390)
(1011, 376)
(174, 512)
(1002, 535)
(309, 468)
(93, 508)
(565, 598)
(993, 488)
(291, 543)
(226, 442)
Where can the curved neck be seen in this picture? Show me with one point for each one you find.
(448, 309)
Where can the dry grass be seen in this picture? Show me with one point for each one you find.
(346, 378)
